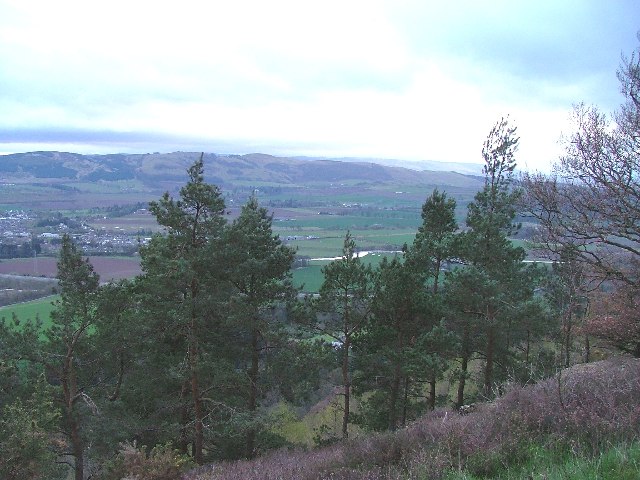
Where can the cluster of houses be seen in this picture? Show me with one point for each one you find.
(19, 237)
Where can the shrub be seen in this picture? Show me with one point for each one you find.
(133, 463)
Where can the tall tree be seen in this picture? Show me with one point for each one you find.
(342, 310)
(495, 273)
(257, 264)
(66, 355)
(72, 319)
(400, 348)
(178, 276)
(567, 289)
(436, 242)
(118, 338)
(382, 363)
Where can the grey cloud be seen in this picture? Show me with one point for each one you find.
(545, 41)
(104, 141)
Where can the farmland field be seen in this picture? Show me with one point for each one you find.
(128, 224)
(328, 243)
(30, 310)
(309, 278)
(109, 268)
(312, 217)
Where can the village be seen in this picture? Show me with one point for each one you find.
(26, 234)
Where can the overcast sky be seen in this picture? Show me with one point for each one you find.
(414, 80)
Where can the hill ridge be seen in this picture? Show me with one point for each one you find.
(156, 169)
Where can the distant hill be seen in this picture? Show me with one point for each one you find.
(432, 165)
(161, 171)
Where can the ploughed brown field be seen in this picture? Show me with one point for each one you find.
(109, 268)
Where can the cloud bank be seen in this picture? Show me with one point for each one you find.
(410, 79)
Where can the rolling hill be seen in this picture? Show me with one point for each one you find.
(61, 180)
(156, 169)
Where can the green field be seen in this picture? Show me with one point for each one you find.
(116, 186)
(333, 222)
(310, 278)
(312, 218)
(40, 308)
(314, 241)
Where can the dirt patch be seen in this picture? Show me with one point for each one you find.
(109, 268)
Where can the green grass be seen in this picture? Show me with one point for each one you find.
(330, 242)
(29, 310)
(310, 278)
(110, 187)
(618, 462)
(354, 222)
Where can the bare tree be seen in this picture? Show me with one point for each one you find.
(614, 319)
(591, 202)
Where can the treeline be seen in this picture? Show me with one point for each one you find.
(20, 250)
(115, 211)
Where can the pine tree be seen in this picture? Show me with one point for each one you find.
(257, 265)
(388, 358)
(436, 243)
(493, 283)
(435, 240)
(66, 356)
(342, 311)
(180, 286)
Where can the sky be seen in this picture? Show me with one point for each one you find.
(402, 79)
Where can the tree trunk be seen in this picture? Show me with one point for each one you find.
(346, 381)
(198, 439)
(116, 391)
(567, 343)
(393, 398)
(432, 393)
(488, 370)
(253, 391)
(194, 360)
(69, 391)
(397, 374)
(77, 447)
(462, 381)
(183, 442)
(436, 275)
(587, 349)
(464, 364)
(405, 403)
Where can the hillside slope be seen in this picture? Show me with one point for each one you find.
(578, 414)
(156, 170)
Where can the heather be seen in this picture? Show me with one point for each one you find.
(585, 417)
